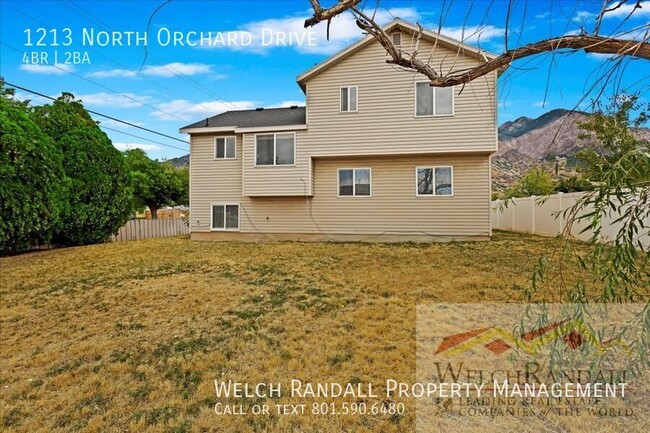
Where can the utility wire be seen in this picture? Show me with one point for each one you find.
(106, 88)
(89, 16)
(42, 95)
(141, 138)
(121, 65)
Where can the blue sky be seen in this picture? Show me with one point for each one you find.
(177, 85)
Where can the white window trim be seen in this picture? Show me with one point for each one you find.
(433, 167)
(212, 205)
(340, 99)
(433, 101)
(224, 147)
(354, 188)
(274, 134)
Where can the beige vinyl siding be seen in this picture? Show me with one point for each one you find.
(392, 209)
(385, 122)
(394, 206)
(281, 180)
(211, 181)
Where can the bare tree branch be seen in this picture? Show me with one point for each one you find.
(591, 44)
(321, 14)
(603, 11)
(588, 43)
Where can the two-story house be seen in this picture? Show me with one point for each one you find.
(377, 154)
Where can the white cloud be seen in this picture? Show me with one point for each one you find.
(58, 69)
(190, 110)
(113, 124)
(165, 71)
(601, 56)
(112, 73)
(474, 34)
(573, 32)
(289, 103)
(129, 146)
(584, 15)
(172, 69)
(626, 9)
(621, 12)
(343, 30)
(123, 100)
(33, 99)
(540, 104)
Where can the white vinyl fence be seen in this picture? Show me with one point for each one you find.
(543, 216)
(137, 229)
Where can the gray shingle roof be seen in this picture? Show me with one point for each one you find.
(254, 118)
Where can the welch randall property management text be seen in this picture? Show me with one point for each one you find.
(396, 389)
(89, 37)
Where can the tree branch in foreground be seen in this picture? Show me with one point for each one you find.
(588, 43)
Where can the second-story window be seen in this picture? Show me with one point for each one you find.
(433, 101)
(225, 148)
(275, 149)
(349, 99)
(397, 38)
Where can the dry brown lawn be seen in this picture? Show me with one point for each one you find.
(130, 336)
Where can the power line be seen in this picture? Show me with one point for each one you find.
(121, 65)
(141, 138)
(42, 95)
(106, 88)
(91, 17)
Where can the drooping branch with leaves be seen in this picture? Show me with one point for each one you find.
(618, 161)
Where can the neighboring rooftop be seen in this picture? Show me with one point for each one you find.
(258, 117)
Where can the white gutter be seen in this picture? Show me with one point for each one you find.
(242, 130)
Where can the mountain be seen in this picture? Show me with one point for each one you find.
(553, 138)
(180, 162)
(525, 142)
(552, 134)
(525, 124)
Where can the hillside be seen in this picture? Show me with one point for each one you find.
(180, 162)
(526, 142)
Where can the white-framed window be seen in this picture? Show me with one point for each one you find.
(275, 149)
(354, 182)
(349, 99)
(225, 147)
(224, 216)
(434, 181)
(433, 101)
(396, 38)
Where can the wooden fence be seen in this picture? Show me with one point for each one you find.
(543, 216)
(137, 229)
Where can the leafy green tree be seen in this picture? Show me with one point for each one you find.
(535, 181)
(611, 135)
(156, 184)
(99, 193)
(573, 184)
(31, 178)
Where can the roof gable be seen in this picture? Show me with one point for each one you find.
(406, 27)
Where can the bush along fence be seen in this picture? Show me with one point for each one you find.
(137, 229)
(544, 216)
